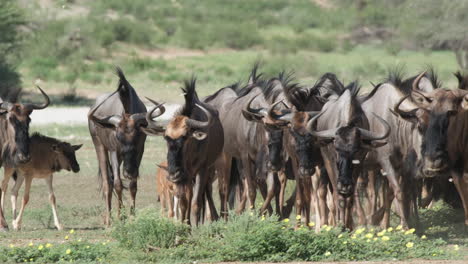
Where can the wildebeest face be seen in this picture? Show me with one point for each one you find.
(17, 127)
(66, 158)
(304, 143)
(275, 146)
(432, 116)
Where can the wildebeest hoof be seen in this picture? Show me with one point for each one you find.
(16, 226)
(345, 189)
(59, 227)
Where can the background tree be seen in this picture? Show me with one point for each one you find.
(11, 18)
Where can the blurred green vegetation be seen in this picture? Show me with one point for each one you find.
(73, 45)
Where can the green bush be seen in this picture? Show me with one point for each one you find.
(148, 231)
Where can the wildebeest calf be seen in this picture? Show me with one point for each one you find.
(165, 190)
(48, 155)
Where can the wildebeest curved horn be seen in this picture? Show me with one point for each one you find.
(39, 106)
(369, 135)
(149, 115)
(200, 124)
(259, 111)
(283, 116)
(329, 133)
(417, 80)
(6, 106)
(113, 120)
(402, 113)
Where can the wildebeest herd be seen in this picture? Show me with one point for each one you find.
(351, 156)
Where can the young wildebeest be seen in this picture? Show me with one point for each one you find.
(14, 136)
(165, 190)
(115, 123)
(343, 131)
(48, 155)
(194, 140)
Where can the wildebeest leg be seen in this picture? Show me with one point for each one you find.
(169, 201)
(360, 187)
(322, 190)
(118, 187)
(27, 188)
(223, 168)
(3, 223)
(106, 184)
(388, 199)
(251, 183)
(395, 186)
(197, 198)
(461, 183)
(271, 187)
(209, 195)
(14, 194)
(52, 202)
(283, 181)
(8, 172)
(371, 193)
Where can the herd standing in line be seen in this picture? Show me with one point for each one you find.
(404, 143)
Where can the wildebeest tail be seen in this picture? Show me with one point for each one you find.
(234, 182)
(15, 176)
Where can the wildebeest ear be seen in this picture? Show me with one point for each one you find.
(199, 135)
(420, 99)
(77, 147)
(252, 117)
(152, 131)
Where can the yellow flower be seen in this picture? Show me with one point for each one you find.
(423, 237)
(68, 251)
(298, 217)
(399, 227)
(353, 236)
(368, 240)
(359, 231)
(434, 254)
(48, 245)
(31, 259)
(263, 218)
(345, 242)
(385, 238)
(12, 246)
(286, 220)
(251, 213)
(328, 253)
(72, 231)
(409, 244)
(30, 244)
(390, 229)
(66, 237)
(371, 230)
(375, 239)
(340, 235)
(103, 243)
(411, 231)
(456, 247)
(381, 233)
(283, 227)
(87, 246)
(328, 228)
(369, 235)
(311, 224)
(40, 247)
(79, 240)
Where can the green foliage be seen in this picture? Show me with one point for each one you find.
(49, 253)
(149, 231)
(251, 238)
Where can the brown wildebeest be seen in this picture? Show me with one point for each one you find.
(400, 158)
(165, 190)
(457, 146)
(247, 129)
(343, 129)
(194, 140)
(14, 136)
(115, 122)
(48, 155)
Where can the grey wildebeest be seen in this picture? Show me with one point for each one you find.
(245, 137)
(400, 160)
(48, 155)
(342, 129)
(115, 122)
(14, 137)
(194, 140)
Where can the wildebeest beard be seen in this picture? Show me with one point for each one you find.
(434, 143)
(11, 151)
(345, 171)
(130, 160)
(275, 144)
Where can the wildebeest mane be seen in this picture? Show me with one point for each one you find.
(191, 97)
(127, 93)
(39, 136)
(462, 80)
(396, 76)
(233, 87)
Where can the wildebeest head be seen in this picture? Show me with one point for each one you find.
(128, 129)
(16, 118)
(187, 127)
(273, 128)
(351, 144)
(433, 112)
(66, 158)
